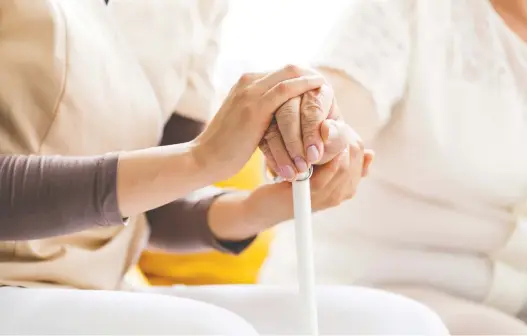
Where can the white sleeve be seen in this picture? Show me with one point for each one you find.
(200, 92)
(372, 43)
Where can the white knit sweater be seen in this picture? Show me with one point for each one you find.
(447, 196)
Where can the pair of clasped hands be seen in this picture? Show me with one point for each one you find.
(293, 117)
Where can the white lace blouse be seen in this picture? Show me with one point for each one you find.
(446, 203)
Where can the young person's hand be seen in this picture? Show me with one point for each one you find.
(235, 132)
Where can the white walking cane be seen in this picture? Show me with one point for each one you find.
(304, 249)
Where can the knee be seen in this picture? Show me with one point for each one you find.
(410, 316)
(372, 311)
(198, 318)
(117, 313)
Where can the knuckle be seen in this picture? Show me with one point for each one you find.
(282, 88)
(246, 79)
(311, 114)
(289, 109)
(314, 98)
(293, 70)
(242, 94)
(286, 115)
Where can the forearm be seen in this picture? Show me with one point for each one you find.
(183, 224)
(229, 218)
(43, 196)
(153, 177)
(237, 216)
(201, 221)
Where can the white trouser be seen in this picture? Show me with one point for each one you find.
(223, 310)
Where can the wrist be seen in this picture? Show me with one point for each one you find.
(269, 205)
(204, 162)
(229, 217)
(152, 177)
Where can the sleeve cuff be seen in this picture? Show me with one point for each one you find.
(106, 189)
(233, 246)
(182, 226)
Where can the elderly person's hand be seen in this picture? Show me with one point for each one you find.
(305, 131)
(236, 130)
(331, 184)
(341, 163)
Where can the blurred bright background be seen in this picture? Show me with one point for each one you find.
(265, 34)
(257, 35)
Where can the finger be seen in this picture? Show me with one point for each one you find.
(288, 121)
(356, 151)
(249, 78)
(314, 109)
(323, 174)
(269, 159)
(283, 91)
(337, 186)
(346, 180)
(369, 156)
(336, 136)
(277, 148)
(288, 72)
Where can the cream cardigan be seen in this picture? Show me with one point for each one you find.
(82, 78)
(446, 203)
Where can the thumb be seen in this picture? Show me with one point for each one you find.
(336, 135)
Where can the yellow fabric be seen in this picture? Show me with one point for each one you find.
(213, 267)
(135, 277)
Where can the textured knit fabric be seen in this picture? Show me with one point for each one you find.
(445, 203)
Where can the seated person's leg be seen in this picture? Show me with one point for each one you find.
(463, 317)
(343, 310)
(57, 311)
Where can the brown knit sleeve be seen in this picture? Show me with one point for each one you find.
(182, 225)
(43, 196)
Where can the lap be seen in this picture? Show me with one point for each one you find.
(63, 311)
(464, 317)
(210, 310)
(342, 309)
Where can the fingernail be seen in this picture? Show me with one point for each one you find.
(301, 165)
(312, 154)
(287, 172)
